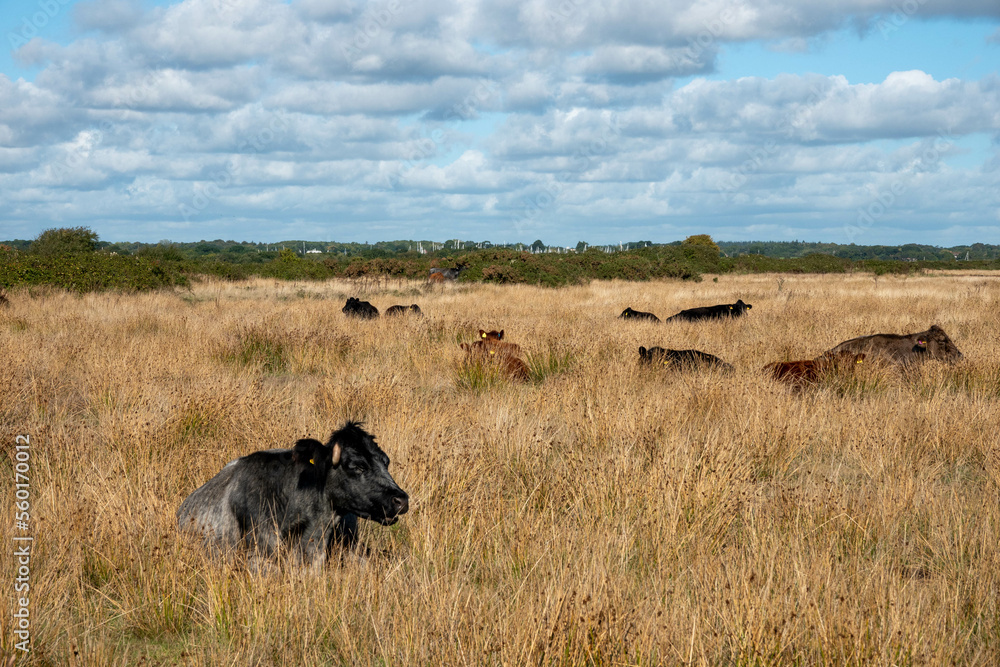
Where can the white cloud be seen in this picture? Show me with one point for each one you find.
(400, 113)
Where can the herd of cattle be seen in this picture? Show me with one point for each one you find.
(364, 310)
(900, 349)
(306, 500)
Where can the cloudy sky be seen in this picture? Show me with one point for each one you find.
(865, 121)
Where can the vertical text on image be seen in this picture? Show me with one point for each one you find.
(22, 542)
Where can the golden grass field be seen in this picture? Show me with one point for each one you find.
(601, 514)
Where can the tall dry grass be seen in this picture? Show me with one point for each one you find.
(601, 514)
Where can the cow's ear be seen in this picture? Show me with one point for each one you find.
(482, 334)
(500, 337)
(305, 451)
(335, 455)
(642, 351)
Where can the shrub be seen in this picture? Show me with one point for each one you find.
(65, 241)
(88, 272)
(703, 241)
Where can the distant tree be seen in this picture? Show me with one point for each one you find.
(65, 241)
(164, 250)
(701, 240)
(581, 246)
(204, 248)
(537, 245)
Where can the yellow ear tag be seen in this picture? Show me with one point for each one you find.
(312, 462)
(484, 335)
(492, 352)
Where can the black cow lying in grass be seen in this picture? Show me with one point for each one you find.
(305, 499)
(711, 312)
(629, 314)
(902, 348)
(682, 358)
(403, 310)
(357, 308)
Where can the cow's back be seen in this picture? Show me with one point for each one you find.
(893, 347)
(207, 511)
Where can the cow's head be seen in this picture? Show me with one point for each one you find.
(652, 354)
(358, 479)
(739, 307)
(937, 344)
(490, 335)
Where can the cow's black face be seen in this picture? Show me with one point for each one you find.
(938, 345)
(360, 482)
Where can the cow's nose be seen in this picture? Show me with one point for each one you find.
(401, 504)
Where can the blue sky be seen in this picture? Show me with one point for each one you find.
(873, 121)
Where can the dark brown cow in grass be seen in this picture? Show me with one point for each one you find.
(392, 311)
(681, 358)
(719, 312)
(902, 348)
(810, 371)
(496, 341)
(629, 314)
(491, 349)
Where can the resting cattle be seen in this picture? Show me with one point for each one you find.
(403, 310)
(629, 314)
(496, 342)
(711, 312)
(685, 358)
(902, 348)
(809, 371)
(357, 308)
(305, 499)
(491, 350)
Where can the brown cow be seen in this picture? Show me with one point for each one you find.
(403, 310)
(903, 349)
(492, 349)
(495, 339)
(810, 371)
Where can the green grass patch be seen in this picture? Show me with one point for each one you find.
(551, 362)
(480, 377)
(256, 346)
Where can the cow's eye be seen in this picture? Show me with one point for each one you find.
(357, 469)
